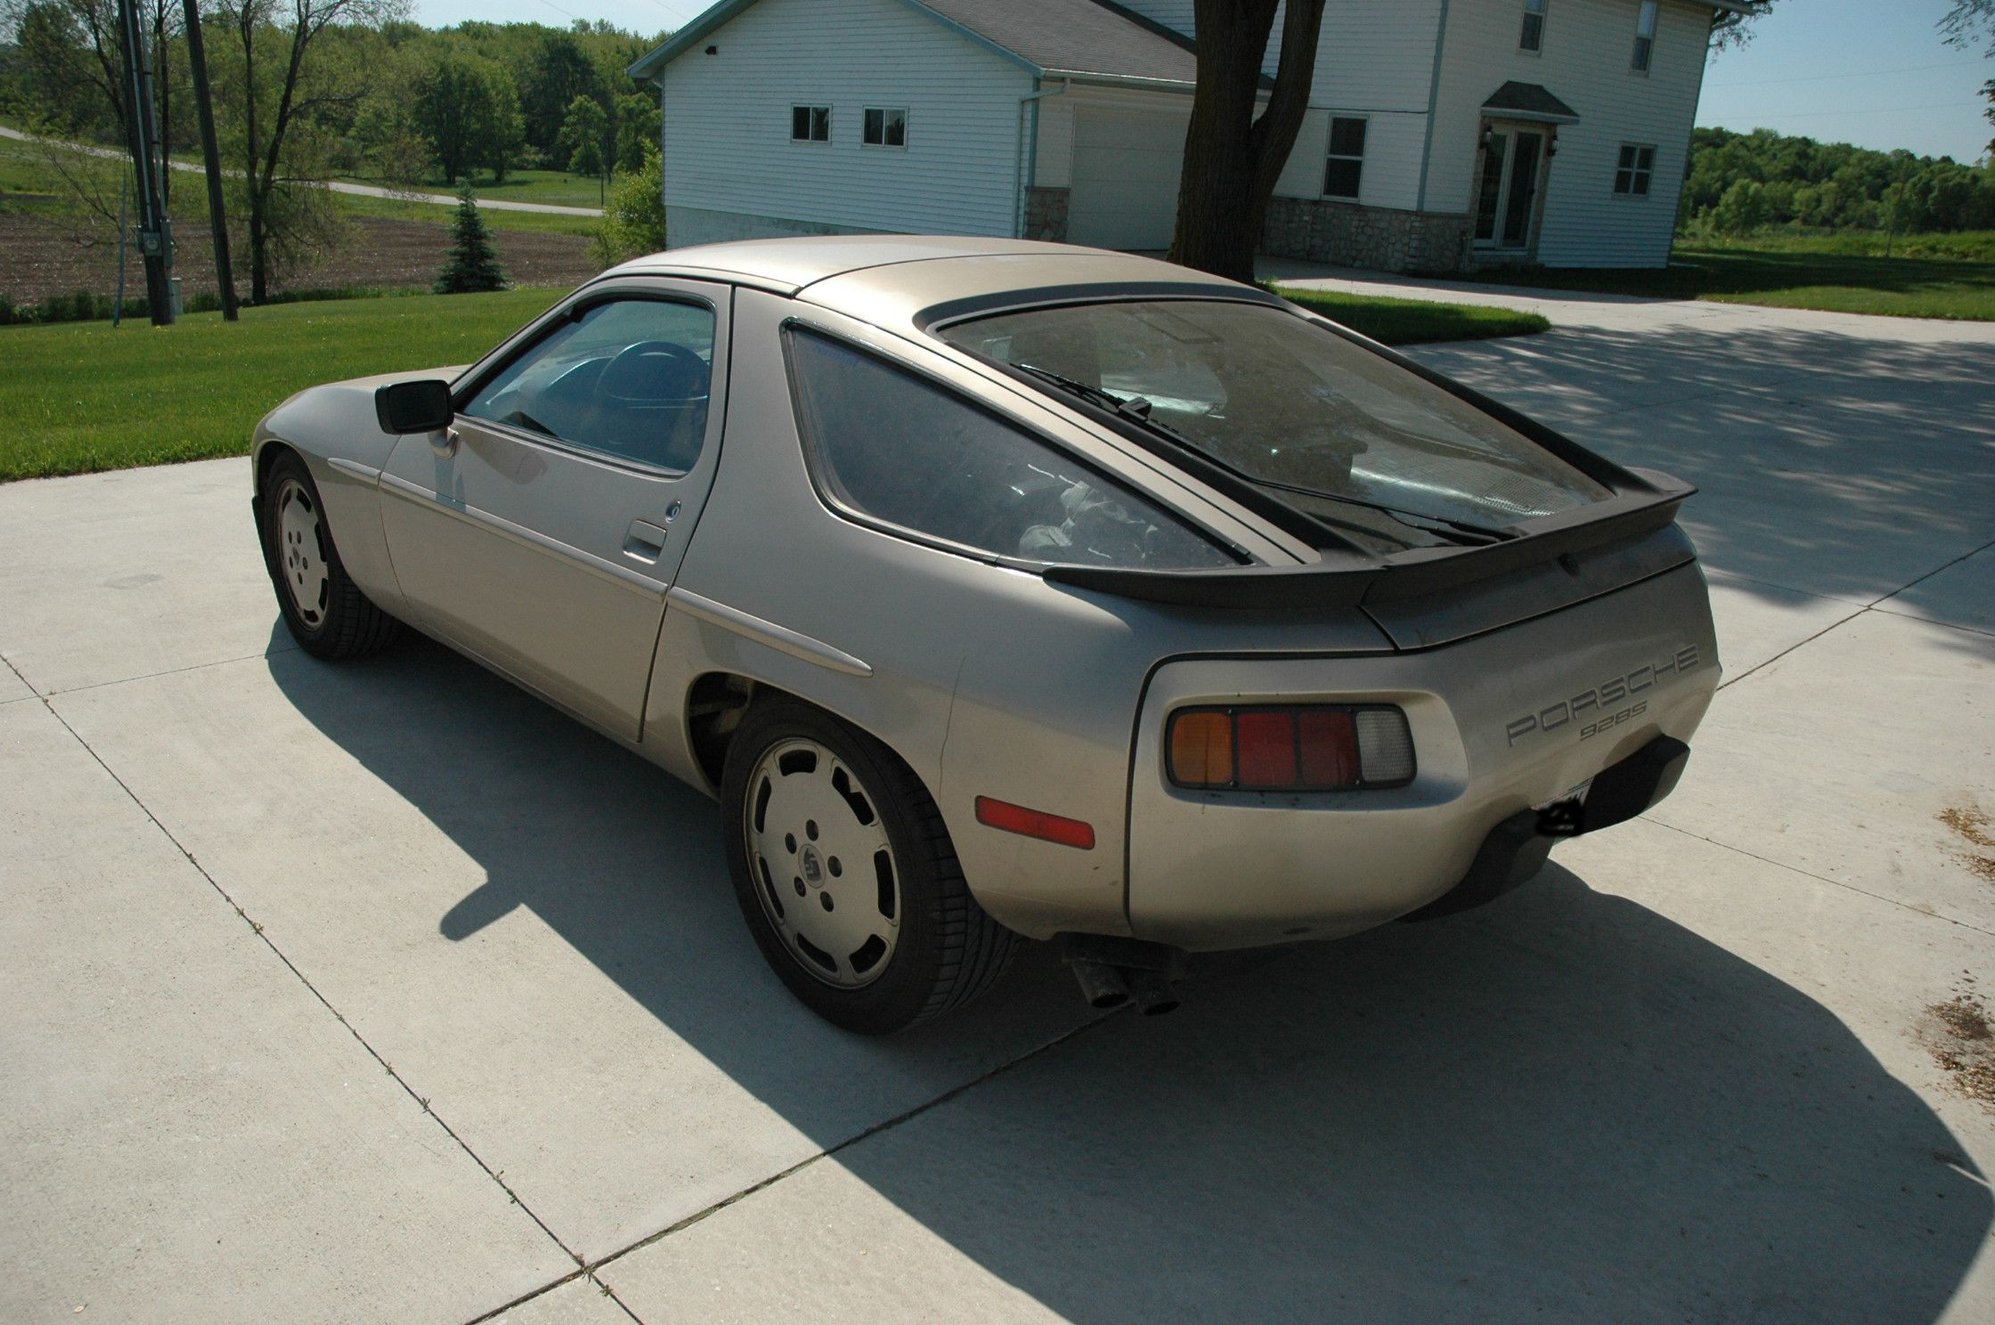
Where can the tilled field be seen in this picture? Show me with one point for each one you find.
(41, 256)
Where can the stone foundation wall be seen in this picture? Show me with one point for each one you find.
(1379, 238)
(1046, 214)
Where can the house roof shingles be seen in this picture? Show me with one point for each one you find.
(1080, 37)
(1529, 101)
(1060, 38)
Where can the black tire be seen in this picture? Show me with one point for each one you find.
(944, 951)
(323, 608)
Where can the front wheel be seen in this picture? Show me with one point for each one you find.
(846, 875)
(323, 608)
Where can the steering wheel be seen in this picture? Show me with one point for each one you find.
(634, 375)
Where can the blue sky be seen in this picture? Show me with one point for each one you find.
(1870, 72)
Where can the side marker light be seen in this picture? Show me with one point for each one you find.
(1009, 818)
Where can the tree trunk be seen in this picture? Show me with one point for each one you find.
(1232, 159)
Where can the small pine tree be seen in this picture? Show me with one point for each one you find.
(472, 264)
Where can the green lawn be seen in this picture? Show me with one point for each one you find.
(1840, 275)
(82, 397)
(1412, 321)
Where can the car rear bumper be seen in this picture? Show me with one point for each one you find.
(1600, 698)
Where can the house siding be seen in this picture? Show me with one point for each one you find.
(1585, 63)
(731, 170)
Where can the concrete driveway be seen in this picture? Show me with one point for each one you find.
(381, 992)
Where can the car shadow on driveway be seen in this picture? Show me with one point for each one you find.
(1562, 1104)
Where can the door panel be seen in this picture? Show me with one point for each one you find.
(544, 531)
(1513, 169)
(1125, 181)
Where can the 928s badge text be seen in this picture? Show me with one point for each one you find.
(1598, 703)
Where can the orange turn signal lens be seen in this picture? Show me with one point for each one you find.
(1202, 748)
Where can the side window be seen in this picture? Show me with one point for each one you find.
(885, 127)
(1532, 36)
(1645, 37)
(1632, 171)
(1346, 163)
(810, 124)
(891, 446)
(628, 379)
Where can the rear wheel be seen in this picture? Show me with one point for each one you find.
(324, 610)
(846, 875)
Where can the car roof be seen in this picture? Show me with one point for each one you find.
(889, 279)
(788, 266)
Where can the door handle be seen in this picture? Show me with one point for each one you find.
(645, 541)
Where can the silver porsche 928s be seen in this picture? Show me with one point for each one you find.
(1005, 589)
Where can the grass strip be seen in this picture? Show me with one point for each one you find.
(1414, 321)
(84, 397)
(1836, 282)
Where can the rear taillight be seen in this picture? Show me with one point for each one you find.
(1290, 747)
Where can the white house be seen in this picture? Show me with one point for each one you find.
(1442, 135)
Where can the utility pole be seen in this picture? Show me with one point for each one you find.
(155, 230)
(197, 56)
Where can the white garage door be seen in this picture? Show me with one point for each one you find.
(1125, 189)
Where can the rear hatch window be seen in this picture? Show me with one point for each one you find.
(1377, 455)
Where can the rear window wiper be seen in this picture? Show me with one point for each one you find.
(1134, 408)
(1459, 532)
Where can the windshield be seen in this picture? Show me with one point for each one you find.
(1326, 426)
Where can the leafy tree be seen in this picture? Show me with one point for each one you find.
(634, 219)
(1967, 23)
(465, 108)
(1741, 210)
(270, 88)
(637, 132)
(472, 265)
(556, 69)
(1233, 157)
(1832, 185)
(585, 133)
(71, 65)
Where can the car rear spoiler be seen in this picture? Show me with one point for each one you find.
(1430, 595)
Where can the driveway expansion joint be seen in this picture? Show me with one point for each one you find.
(257, 929)
(170, 671)
(867, 1134)
(1820, 878)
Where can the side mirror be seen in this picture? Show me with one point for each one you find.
(406, 407)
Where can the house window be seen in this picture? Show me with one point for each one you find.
(1645, 36)
(810, 124)
(1532, 38)
(1631, 174)
(1347, 158)
(886, 127)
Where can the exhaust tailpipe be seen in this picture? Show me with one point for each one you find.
(1101, 985)
(1153, 992)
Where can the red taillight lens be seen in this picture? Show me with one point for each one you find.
(1281, 747)
(1329, 744)
(1266, 742)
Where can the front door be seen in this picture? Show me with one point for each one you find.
(542, 531)
(1513, 170)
